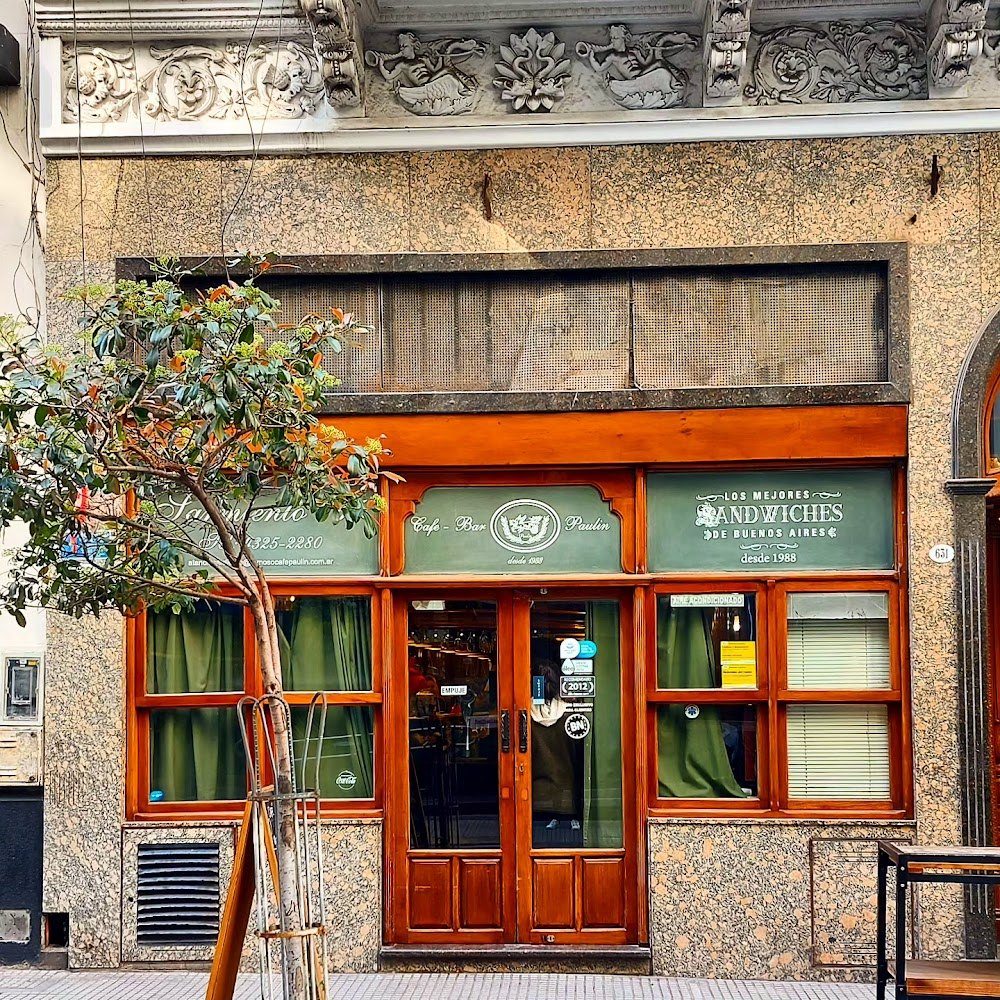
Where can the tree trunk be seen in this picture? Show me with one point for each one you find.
(287, 849)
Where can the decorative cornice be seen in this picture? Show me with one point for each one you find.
(727, 32)
(955, 39)
(334, 28)
(969, 487)
(636, 71)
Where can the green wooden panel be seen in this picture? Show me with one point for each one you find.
(780, 521)
(515, 529)
(287, 541)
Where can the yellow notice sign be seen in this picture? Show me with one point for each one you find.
(739, 664)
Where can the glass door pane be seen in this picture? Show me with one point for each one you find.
(576, 747)
(453, 725)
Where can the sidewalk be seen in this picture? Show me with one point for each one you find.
(18, 984)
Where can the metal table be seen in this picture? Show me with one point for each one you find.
(918, 977)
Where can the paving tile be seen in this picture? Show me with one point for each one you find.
(17, 984)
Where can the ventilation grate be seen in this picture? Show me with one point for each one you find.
(662, 328)
(177, 894)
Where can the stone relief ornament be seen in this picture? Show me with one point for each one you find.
(192, 82)
(425, 76)
(881, 61)
(332, 25)
(727, 33)
(635, 69)
(99, 85)
(281, 80)
(532, 71)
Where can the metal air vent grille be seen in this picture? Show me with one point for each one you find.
(177, 894)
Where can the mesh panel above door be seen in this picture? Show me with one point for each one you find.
(791, 325)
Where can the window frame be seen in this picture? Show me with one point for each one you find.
(141, 703)
(773, 696)
(992, 398)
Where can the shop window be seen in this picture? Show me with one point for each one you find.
(824, 700)
(192, 670)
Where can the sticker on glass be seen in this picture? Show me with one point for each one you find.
(583, 666)
(569, 649)
(692, 711)
(588, 649)
(577, 726)
(568, 666)
(454, 690)
(537, 690)
(347, 780)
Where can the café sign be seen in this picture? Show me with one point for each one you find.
(286, 541)
(485, 529)
(780, 521)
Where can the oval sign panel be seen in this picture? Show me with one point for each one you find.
(941, 554)
(525, 526)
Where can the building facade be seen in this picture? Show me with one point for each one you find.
(680, 331)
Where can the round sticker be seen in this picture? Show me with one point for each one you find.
(569, 649)
(346, 780)
(577, 725)
(692, 711)
(588, 650)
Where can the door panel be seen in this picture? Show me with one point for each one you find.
(430, 893)
(553, 895)
(480, 893)
(603, 892)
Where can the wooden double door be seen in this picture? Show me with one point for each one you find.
(511, 814)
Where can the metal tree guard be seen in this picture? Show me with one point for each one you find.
(265, 805)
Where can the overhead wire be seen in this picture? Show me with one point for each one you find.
(142, 137)
(79, 154)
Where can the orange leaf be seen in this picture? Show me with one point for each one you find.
(339, 314)
(297, 389)
(176, 363)
(218, 293)
(92, 392)
(317, 359)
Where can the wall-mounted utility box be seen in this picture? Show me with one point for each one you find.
(10, 59)
(22, 689)
(20, 756)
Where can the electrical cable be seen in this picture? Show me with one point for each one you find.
(79, 155)
(142, 136)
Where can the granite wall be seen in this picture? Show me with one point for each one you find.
(696, 195)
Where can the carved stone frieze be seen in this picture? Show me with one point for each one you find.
(426, 76)
(99, 85)
(727, 34)
(281, 81)
(839, 63)
(636, 69)
(333, 27)
(533, 72)
(956, 37)
(192, 82)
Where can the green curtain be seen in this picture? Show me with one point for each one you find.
(602, 779)
(195, 754)
(326, 646)
(692, 758)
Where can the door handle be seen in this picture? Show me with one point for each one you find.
(522, 731)
(505, 731)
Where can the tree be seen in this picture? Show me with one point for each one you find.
(174, 400)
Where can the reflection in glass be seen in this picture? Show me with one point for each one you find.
(707, 751)
(346, 757)
(454, 784)
(576, 766)
(701, 640)
(196, 755)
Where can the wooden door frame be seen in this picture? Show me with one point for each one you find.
(516, 874)
(397, 785)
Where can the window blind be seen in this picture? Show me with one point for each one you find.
(838, 752)
(826, 654)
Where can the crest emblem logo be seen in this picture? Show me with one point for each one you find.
(525, 526)
(707, 516)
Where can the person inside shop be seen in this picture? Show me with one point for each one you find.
(556, 766)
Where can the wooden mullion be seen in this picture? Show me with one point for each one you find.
(224, 699)
(706, 696)
(334, 698)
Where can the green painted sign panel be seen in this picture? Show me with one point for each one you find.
(778, 521)
(286, 541)
(515, 529)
